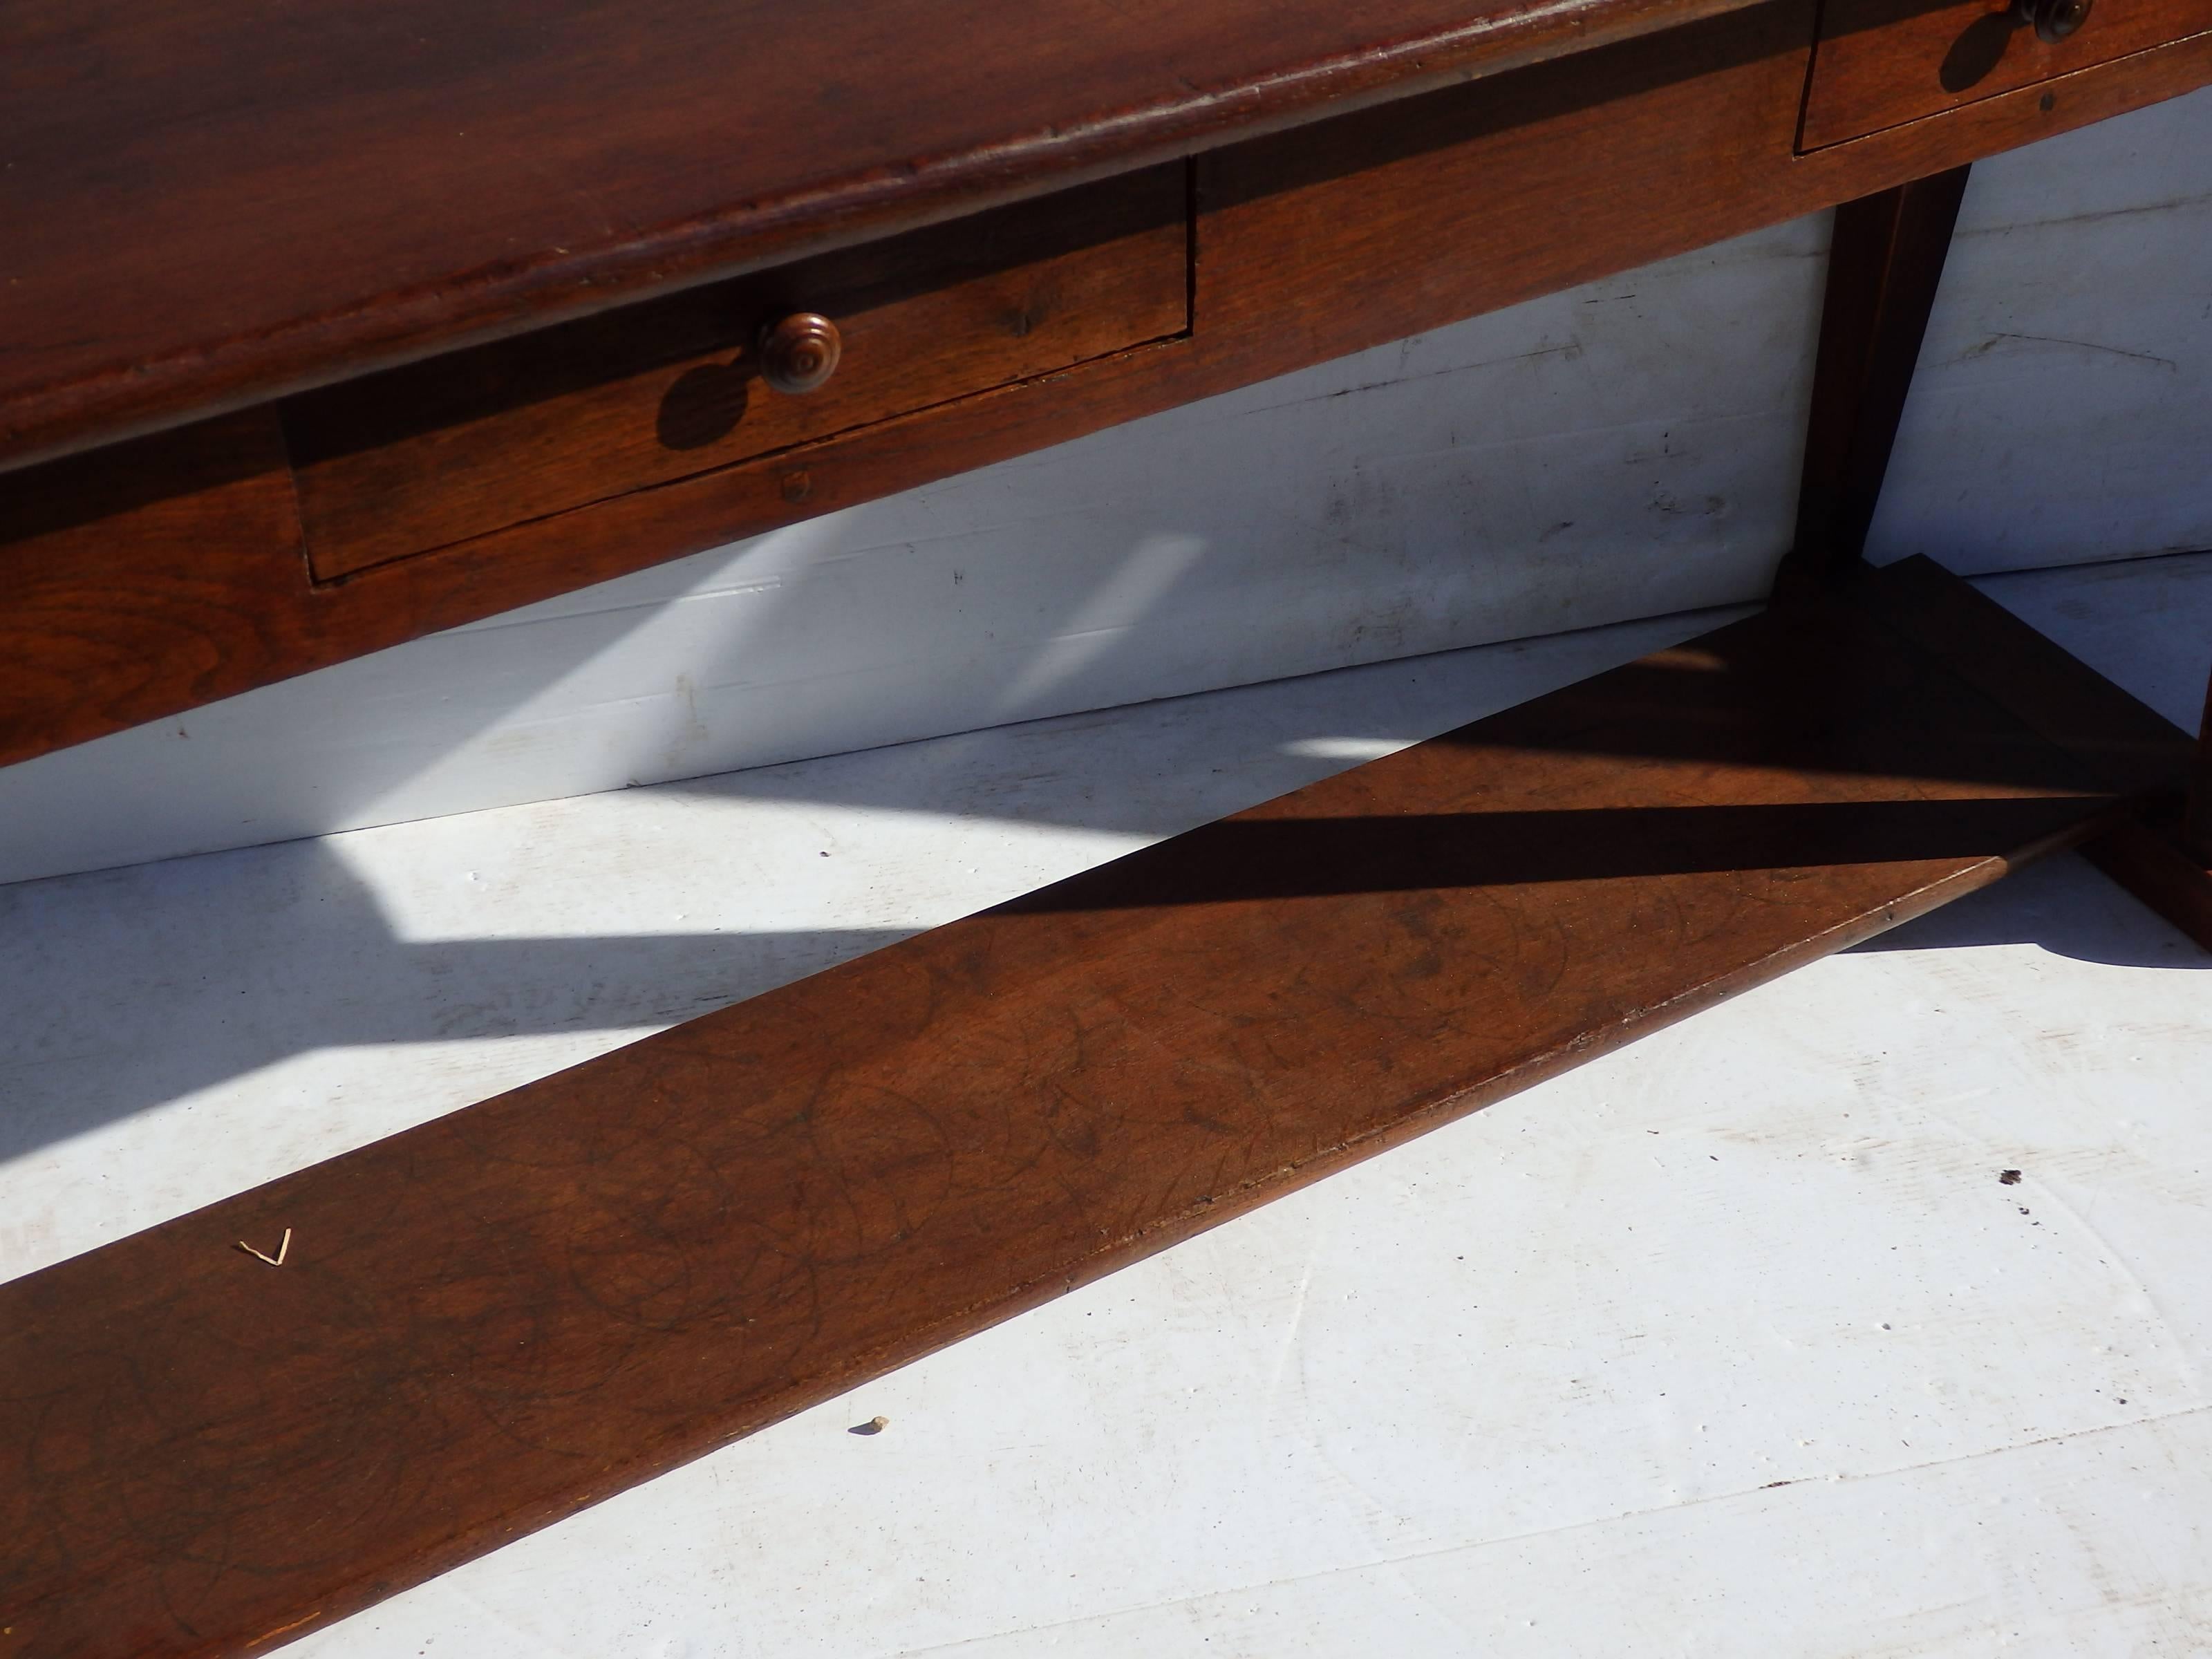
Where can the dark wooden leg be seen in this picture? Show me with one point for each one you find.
(2196, 823)
(1884, 266)
(2146, 856)
(2164, 857)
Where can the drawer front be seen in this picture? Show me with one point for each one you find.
(437, 453)
(1881, 63)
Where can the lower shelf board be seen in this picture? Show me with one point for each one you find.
(496, 1319)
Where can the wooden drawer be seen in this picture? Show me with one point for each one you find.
(422, 456)
(1880, 62)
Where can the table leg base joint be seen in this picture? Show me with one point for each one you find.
(2145, 854)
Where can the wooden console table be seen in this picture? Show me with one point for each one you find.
(322, 329)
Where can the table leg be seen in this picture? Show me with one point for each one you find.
(1884, 263)
(2164, 857)
(2197, 822)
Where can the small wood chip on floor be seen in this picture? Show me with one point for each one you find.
(283, 1248)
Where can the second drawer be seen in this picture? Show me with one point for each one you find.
(1880, 62)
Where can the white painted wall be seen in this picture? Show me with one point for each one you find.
(2063, 407)
(1622, 450)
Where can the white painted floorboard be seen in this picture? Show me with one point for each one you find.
(1730, 1344)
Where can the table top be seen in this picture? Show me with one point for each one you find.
(227, 200)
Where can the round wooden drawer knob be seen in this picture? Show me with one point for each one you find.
(2053, 20)
(799, 353)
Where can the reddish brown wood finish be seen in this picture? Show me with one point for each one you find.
(146, 577)
(798, 352)
(234, 201)
(488, 1322)
(492, 1320)
(1311, 243)
(417, 458)
(1885, 264)
(1881, 63)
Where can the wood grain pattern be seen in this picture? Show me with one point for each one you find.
(237, 201)
(1882, 63)
(491, 1320)
(1311, 243)
(1332, 238)
(414, 459)
(146, 577)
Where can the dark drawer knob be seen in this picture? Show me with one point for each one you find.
(2053, 20)
(799, 353)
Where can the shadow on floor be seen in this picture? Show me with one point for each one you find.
(137, 987)
(2063, 905)
(291, 954)
(314, 963)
